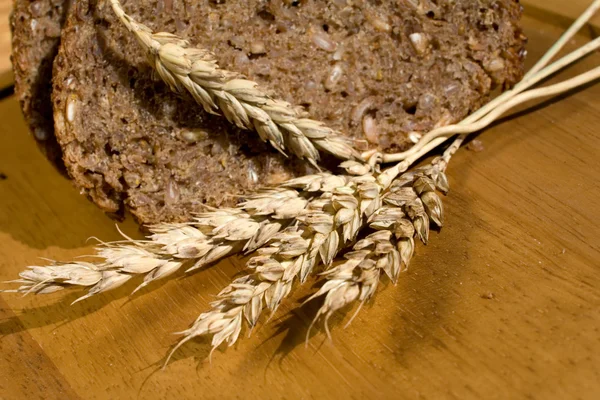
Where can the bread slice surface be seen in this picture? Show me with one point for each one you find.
(373, 70)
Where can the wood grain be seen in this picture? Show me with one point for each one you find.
(503, 303)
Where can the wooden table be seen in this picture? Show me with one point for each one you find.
(503, 303)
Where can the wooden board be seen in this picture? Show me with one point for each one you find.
(503, 303)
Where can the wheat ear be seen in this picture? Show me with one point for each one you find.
(208, 238)
(333, 217)
(242, 102)
(326, 227)
(389, 247)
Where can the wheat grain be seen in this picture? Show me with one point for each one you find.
(242, 102)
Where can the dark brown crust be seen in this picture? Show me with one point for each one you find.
(125, 142)
(36, 27)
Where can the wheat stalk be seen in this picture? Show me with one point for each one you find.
(466, 127)
(536, 74)
(242, 102)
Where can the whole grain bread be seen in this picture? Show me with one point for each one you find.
(36, 27)
(373, 70)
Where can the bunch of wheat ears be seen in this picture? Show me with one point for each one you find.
(369, 214)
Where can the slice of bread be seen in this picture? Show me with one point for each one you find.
(36, 27)
(373, 70)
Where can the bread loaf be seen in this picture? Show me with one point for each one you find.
(373, 70)
(36, 27)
